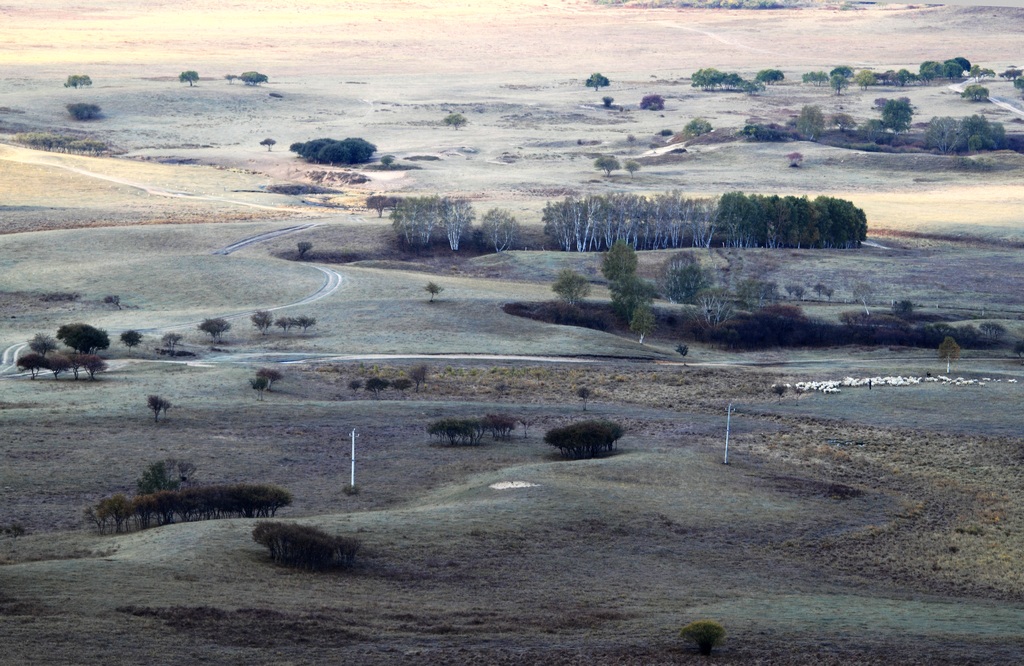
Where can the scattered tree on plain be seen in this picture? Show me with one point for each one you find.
(78, 81)
(433, 289)
(158, 405)
(418, 374)
(865, 78)
(83, 111)
(83, 338)
(897, 115)
(131, 338)
(571, 287)
(779, 390)
(32, 363)
(770, 76)
(114, 300)
(864, 292)
(355, 385)
(171, 340)
(607, 163)
(269, 143)
(303, 247)
(696, 127)
(607, 101)
(455, 120)
(189, 76)
(795, 159)
(92, 364)
(271, 375)
(585, 439)
(632, 166)
(231, 78)
(949, 351)
(844, 121)
(584, 394)
(838, 83)
(597, 81)
(215, 327)
(259, 384)
(284, 323)
(683, 278)
(253, 78)
(262, 320)
(975, 93)
(817, 79)
(619, 262)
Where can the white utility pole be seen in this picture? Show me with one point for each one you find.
(354, 435)
(728, 424)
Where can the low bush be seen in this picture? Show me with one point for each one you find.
(60, 143)
(457, 431)
(305, 547)
(585, 439)
(499, 425)
(705, 633)
(83, 111)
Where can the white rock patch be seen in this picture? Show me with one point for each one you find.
(508, 485)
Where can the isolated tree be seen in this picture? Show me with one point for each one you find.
(607, 163)
(189, 76)
(652, 103)
(303, 247)
(78, 81)
(643, 322)
(259, 384)
(975, 93)
(707, 634)
(387, 160)
(897, 115)
(418, 374)
(619, 262)
(811, 122)
(171, 340)
(380, 202)
(271, 375)
(433, 289)
(83, 111)
(779, 390)
(269, 143)
(838, 83)
(83, 338)
(584, 394)
(455, 120)
(864, 292)
(375, 385)
(253, 78)
(42, 344)
(114, 300)
(696, 127)
(769, 76)
(949, 351)
(500, 229)
(842, 70)
(231, 78)
(131, 338)
(632, 166)
(92, 364)
(215, 327)
(597, 81)
(157, 405)
(607, 101)
(32, 363)
(571, 287)
(795, 159)
(355, 385)
(262, 320)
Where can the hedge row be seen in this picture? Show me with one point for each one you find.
(305, 547)
(471, 431)
(585, 439)
(241, 500)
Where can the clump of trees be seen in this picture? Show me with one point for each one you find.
(419, 222)
(470, 431)
(333, 151)
(83, 110)
(585, 439)
(158, 405)
(263, 320)
(252, 78)
(305, 547)
(951, 135)
(120, 513)
(710, 79)
(59, 143)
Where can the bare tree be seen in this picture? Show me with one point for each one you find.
(215, 327)
(262, 320)
(864, 292)
(157, 405)
(584, 394)
(418, 374)
(171, 340)
(271, 375)
(41, 343)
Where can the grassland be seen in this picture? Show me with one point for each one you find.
(867, 527)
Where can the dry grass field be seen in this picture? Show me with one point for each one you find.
(872, 526)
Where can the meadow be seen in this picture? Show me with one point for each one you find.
(870, 526)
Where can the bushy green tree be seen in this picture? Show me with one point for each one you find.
(571, 287)
(817, 79)
(897, 115)
(975, 93)
(619, 262)
(83, 338)
(707, 634)
(683, 278)
(770, 76)
(215, 327)
(253, 78)
(189, 76)
(607, 163)
(156, 477)
(597, 81)
(455, 120)
(811, 122)
(78, 81)
(696, 127)
(131, 338)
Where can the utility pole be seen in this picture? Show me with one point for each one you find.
(354, 435)
(728, 424)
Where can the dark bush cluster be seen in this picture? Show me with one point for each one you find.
(787, 326)
(499, 425)
(333, 151)
(585, 439)
(59, 143)
(305, 547)
(83, 111)
(586, 315)
(240, 500)
(457, 431)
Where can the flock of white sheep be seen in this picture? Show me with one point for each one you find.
(834, 385)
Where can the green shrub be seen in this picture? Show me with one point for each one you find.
(705, 633)
(305, 547)
(83, 111)
(585, 439)
(457, 431)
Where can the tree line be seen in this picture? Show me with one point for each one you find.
(665, 221)
(421, 221)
